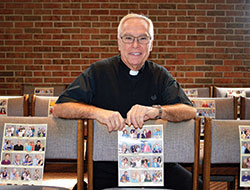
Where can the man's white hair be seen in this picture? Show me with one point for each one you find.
(133, 15)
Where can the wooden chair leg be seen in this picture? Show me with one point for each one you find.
(90, 154)
(80, 154)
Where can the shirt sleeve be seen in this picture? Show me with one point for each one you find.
(81, 90)
(173, 93)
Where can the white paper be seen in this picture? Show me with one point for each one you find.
(141, 156)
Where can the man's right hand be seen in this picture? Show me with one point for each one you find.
(112, 119)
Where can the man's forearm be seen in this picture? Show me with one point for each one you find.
(178, 112)
(72, 110)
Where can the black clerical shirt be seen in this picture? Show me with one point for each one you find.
(107, 84)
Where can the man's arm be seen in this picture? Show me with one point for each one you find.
(175, 113)
(112, 119)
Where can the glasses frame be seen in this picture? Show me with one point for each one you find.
(137, 38)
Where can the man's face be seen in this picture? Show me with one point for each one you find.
(134, 55)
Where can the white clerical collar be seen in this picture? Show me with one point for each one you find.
(133, 73)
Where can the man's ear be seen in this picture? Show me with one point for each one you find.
(119, 43)
(151, 46)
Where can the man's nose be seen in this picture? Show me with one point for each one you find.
(135, 43)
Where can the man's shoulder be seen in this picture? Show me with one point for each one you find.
(106, 63)
(158, 70)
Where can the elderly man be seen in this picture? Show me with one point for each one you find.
(128, 89)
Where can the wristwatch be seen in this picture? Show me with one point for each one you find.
(160, 111)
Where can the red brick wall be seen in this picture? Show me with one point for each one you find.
(48, 42)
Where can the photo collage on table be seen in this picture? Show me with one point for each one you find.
(191, 93)
(3, 106)
(44, 91)
(141, 156)
(52, 102)
(205, 108)
(244, 132)
(23, 153)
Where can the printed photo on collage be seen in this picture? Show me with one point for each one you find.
(244, 155)
(236, 93)
(44, 91)
(191, 93)
(52, 102)
(3, 107)
(23, 153)
(140, 151)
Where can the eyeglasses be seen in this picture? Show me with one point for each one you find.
(127, 39)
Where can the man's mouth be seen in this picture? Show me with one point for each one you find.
(135, 54)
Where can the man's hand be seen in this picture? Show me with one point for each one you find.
(112, 119)
(138, 114)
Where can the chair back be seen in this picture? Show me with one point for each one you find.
(221, 144)
(225, 108)
(201, 92)
(40, 105)
(181, 144)
(245, 108)
(17, 105)
(61, 139)
(223, 92)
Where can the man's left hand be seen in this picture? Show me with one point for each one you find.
(138, 114)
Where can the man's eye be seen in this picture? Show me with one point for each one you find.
(144, 38)
(129, 38)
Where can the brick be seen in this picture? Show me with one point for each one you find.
(32, 18)
(174, 13)
(223, 56)
(213, 74)
(223, 68)
(194, 49)
(233, 75)
(215, 13)
(6, 74)
(203, 68)
(223, 81)
(185, 43)
(185, 68)
(195, 62)
(33, 80)
(194, 74)
(61, 36)
(196, 13)
(214, 62)
(195, 37)
(24, 61)
(42, 74)
(205, 43)
(61, 12)
(224, 31)
(204, 80)
(185, 6)
(175, 62)
(23, 74)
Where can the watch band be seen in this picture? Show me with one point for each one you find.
(160, 111)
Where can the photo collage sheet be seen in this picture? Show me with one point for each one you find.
(3, 107)
(244, 132)
(205, 108)
(23, 153)
(44, 91)
(141, 156)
